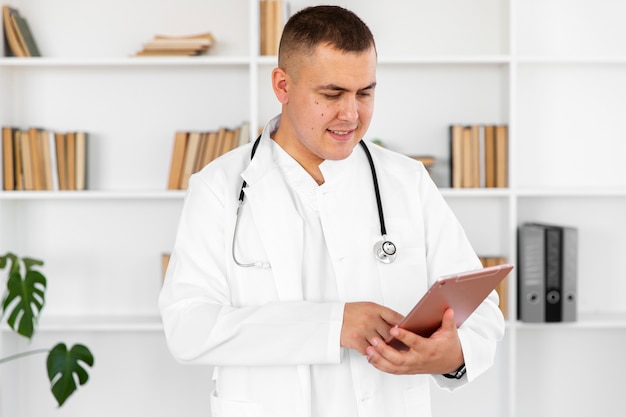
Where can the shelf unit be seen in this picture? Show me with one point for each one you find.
(552, 70)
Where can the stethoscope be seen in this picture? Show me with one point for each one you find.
(384, 250)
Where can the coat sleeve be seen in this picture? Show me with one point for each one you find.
(449, 251)
(201, 323)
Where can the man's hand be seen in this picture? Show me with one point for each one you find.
(366, 321)
(441, 353)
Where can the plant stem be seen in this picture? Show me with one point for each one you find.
(20, 355)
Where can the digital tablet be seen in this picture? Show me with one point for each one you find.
(463, 292)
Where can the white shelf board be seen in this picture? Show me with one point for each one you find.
(96, 324)
(125, 61)
(585, 321)
(94, 195)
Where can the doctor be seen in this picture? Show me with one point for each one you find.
(288, 295)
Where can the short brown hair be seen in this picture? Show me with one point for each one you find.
(332, 25)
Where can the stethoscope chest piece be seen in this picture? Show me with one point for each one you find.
(385, 251)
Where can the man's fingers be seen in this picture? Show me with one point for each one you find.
(393, 318)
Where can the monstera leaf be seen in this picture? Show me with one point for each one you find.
(25, 296)
(65, 366)
(22, 303)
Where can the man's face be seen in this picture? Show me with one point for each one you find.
(328, 101)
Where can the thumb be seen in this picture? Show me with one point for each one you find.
(447, 320)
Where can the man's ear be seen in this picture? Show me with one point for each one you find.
(279, 84)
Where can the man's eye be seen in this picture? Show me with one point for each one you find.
(331, 96)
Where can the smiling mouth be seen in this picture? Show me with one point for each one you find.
(341, 132)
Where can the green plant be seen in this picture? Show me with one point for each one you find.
(22, 303)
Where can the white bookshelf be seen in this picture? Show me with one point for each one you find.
(552, 70)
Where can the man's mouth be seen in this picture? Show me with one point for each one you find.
(341, 132)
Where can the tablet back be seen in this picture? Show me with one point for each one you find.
(463, 292)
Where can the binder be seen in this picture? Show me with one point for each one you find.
(531, 274)
(547, 273)
(570, 274)
(553, 274)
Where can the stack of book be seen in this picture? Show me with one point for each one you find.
(479, 156)
(272, 19)
(193, 150)
(547, 273)
(18, 39)
(190, 45)
(39, 159)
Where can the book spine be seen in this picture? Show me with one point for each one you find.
(455, 156)
(8, 174)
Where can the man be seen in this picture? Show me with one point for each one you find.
(284, 295)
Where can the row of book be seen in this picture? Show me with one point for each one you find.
(502, 288)
(193, 150)
(18, 38)
(186, 45)
(547, 273)
(38, 159)
(479, 156)
(273, 14)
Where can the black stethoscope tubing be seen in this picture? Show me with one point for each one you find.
(384, 250)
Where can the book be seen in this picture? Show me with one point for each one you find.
(70, 156)
(478, 156)
(271, 26)
(178, 157)
(17, 160)
(244, 134)
(204, 36)
(46, 160)
(467, 158)
(165, 260)
(211, 151)
(54, 169)
(174, 44)
(456, 158)
(490, 155)
(219, 142)
(474, 175)
(25, 36)
(165, 53)
(61, 153)
(13, 46)
(37, 159)
(25, 150)
(192, 151)
(189, 163)
(201, 148)
(81, 160)
(502, 144)
(228, 142)
(186, 45)
(8, 167)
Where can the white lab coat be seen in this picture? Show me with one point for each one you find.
(253, 325)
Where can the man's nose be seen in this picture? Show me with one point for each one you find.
(349, 108)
